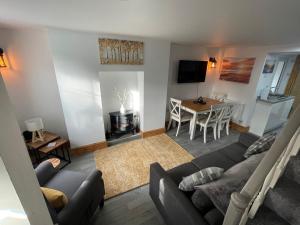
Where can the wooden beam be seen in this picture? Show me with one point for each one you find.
(150, 133)
(89, 148)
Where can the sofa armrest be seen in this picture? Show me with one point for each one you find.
(44, 172)
(84, 201)
(248, 139)
(174, 206)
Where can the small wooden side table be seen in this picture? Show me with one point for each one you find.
(33, 147)
(61, 146)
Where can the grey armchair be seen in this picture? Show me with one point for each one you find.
(85, 193)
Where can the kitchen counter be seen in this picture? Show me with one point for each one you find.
(275, 99)
(270, 114)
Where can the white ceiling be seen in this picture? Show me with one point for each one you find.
(205, 22)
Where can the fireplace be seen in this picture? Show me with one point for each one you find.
(122, 123)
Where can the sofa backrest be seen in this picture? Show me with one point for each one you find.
(247, 139)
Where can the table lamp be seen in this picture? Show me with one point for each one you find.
(36, 126)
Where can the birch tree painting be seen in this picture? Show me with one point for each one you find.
(114, 51)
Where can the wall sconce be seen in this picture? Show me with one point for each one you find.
(213, 62)
(2, 62)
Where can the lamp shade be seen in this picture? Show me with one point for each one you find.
(34, 124)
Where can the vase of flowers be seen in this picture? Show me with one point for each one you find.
(122, 97)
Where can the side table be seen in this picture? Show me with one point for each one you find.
(62, 146)
(60, 150)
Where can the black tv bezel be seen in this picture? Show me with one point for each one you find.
(195, 81)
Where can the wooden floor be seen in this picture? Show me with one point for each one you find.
(132, 208)
(136, 207)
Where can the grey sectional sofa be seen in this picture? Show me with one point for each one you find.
(176, 206)
(85, 193)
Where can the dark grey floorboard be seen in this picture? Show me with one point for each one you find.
(197, 147)
(136, 207)
(131, 208)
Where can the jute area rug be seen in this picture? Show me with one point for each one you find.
(126, 166)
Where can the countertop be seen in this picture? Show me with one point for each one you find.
(274, 100)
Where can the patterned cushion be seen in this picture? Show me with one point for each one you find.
(261, 145)
(201, 177)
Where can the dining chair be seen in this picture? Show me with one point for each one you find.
(177, 114)
(220, 96)
(225, 118)
(211, 120)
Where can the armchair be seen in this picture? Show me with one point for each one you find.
(85, 193)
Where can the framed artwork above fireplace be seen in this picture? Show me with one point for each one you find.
(115, 51)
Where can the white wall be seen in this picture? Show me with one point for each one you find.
(18, 164)
(76, 61)
(286, 73)
(266, 79)
(110, 82)
(11, 209)
(30, 78)
(190, 90)
(243, 93)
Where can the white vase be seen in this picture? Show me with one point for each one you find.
(122, 109)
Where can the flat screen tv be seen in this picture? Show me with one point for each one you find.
(191, 71)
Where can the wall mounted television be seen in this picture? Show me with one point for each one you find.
(191, 71)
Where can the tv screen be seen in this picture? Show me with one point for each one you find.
(191, 71)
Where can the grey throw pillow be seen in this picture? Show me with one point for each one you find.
(261, 145)
(202, 202)
(233, 180)
(201, 177)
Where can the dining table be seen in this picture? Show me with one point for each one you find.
(196, 108)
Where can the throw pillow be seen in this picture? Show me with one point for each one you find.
(233, 180)
(201, 177)
(202, 202)
(261, 145)
(55, 198)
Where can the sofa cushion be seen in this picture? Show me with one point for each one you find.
(234, 152)
(213, 159)
(247, 139)
(202, 202)
(66, 181)
(200, 177)
(181, 171)
(214, 217)
(56, 199)
(262, 144)
(232, 181)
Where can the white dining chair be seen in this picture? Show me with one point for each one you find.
(211, 120)
(225, 118)
(177, 114)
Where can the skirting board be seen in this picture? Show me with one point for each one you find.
(239, 128)
(151, 133)
(89, 148)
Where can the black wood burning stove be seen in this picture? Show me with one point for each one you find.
(122, 123)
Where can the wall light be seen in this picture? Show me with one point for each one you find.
(213, 62)
(2, 62)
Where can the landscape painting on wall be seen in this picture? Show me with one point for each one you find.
(114, 51)
(237, 69)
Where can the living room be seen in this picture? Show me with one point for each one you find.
(53, 71)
